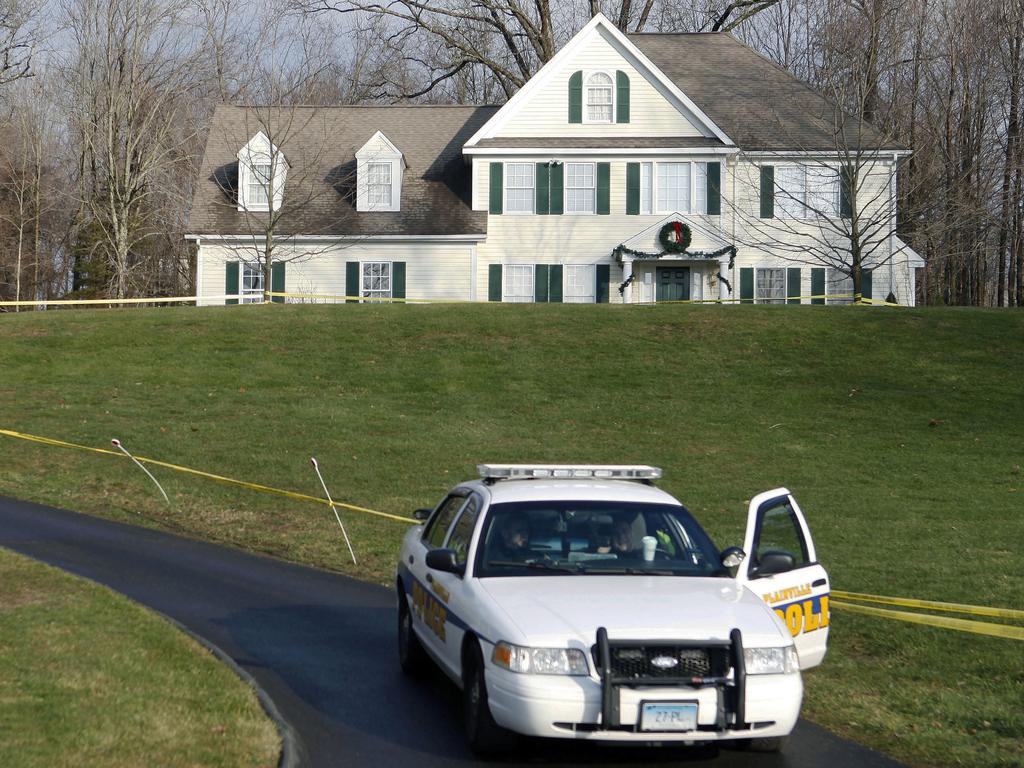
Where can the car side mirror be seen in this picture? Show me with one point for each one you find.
(443, 560)
(732, 557)
(775, 561)
(421, 514)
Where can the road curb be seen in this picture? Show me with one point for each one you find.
(289, 741)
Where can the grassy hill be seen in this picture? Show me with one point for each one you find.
(900, 432)
(92, 680)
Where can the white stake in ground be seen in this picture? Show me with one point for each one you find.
(117, 444)
(336, 515)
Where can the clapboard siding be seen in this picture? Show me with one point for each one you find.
(441, 271)
(546, 113)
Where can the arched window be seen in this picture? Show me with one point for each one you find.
(599, 98)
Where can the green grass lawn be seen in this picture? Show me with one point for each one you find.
(900, 432)
(91, 679)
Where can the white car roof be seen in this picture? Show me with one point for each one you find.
(576, 490)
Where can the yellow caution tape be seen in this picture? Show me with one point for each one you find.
(369, 300)
(208, 475)
(943, 622)
(909, 602)
(92, 302)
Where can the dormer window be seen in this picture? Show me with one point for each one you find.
(599, 95)
(261, 173)
(259, 186)
(378, 186)
(379, 167)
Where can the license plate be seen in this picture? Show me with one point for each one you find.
(668, 716)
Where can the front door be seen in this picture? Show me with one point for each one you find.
(673, 284)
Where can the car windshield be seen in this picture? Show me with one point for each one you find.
(540, 538)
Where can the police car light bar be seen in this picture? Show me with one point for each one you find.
(600, 471)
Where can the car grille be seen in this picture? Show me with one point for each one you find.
(640, 662)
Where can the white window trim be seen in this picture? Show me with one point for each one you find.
(649, 209)
(808, 213)
(506, 282)
(363, 181)
(655, 210)
(390, 204)
(383, 151)
(840, 291)
(587, 74)
(774, 299)
(362, 276)
(783, 198)
(565, 190)
(255, 296)
(588, 298)
(260, 151)
(533, 197)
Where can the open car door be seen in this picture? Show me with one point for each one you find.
(782, 568)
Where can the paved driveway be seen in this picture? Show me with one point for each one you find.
(323, 648)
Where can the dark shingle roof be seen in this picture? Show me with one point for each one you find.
(758, 104)
(612, 142)
(320, 145)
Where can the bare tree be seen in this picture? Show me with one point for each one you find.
(27, 184)
(287, 183)
(835, 202)
(17, 38)
(508, 40)
(129, 79)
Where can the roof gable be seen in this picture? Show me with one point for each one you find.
(378, 145)
(540, 107)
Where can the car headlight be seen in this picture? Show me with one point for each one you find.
(540, 661)
(771, 661)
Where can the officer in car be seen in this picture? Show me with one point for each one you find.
(620, 543)
(513, 540)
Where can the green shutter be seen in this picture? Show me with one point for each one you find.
(632, 189)
(767, 192)
(231, 286)
(555, 283)
(621, 97)
(714, 189)
(818, 285)
(398, 279)
(556, 202)
(576, 97)
(497, 187)
(543, 192)
(793, 285)
(865, 283)
(494, 282)
(352, 286)
(603, 281)
(604, 175)
(540, 282)
(277, 281)
(846, 192)
(747, 285)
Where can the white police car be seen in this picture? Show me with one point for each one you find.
(582, 602)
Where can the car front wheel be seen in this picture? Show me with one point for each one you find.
(411, 655)
(773, 744)
(483, 734)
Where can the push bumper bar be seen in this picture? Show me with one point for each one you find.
(731, 692)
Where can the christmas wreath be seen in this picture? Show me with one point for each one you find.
(675, 237)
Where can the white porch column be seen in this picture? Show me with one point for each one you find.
(723, 270)
(627, 272)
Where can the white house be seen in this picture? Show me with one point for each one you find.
(578, 189)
